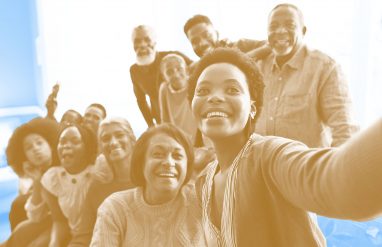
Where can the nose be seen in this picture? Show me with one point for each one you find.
(281, 29)
(113, 141)
(215, 97)
(168, 161)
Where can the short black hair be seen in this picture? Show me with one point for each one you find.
(47, 128)
(141, 146)
(241, 60)
(289, 5)
(99, 106)
(196, 19)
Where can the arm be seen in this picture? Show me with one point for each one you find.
(108, 229)
(141, 100)
(164, 113)
(335, 105)
(340, 182)
(60, 233)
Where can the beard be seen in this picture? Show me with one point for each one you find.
(146, 59)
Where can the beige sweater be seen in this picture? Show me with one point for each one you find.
(125, 219)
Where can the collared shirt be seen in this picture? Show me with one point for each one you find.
(307, 99)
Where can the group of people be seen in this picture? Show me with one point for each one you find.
(242, 145)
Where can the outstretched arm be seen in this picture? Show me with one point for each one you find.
(339, 182)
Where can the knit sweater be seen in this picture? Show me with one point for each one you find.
(125, 219)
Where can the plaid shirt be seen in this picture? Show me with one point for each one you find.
(307, 99)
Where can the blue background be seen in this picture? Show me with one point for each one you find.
(21, 86)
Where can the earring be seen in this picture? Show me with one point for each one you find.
(252, 114)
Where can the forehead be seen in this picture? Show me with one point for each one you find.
(110, 128)
(32, 137)
(94, 110)
(161, 140)
(142, 33)
(285, 13)
(173, 61)
(200, 28)
(71, 131)
(221, 72)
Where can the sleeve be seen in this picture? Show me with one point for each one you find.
(339, 182)
(109, 224)
(335, 105)
(246, 45)
(141, 99)
(163, 109)
(50, 181)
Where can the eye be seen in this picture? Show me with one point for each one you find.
(233, 90)
(120, 135)
(202, 91)
(177, 156)
(105, 138)
(157, 154)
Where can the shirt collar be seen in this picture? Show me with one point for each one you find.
(295, 62)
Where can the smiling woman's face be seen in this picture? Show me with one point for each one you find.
(165, 168)
(221, 103)
(71, 150)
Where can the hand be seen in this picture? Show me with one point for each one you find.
(31, 171)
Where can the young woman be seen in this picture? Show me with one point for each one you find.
(260, 188)
(116, 140)
(65, 187)
(163, 210)
(31, 151)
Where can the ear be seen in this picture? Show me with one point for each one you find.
(304, 30)
(253, 109)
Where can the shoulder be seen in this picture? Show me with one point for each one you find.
(319, 57)
(119, 201)
(51, 179)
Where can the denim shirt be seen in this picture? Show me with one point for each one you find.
(307, 99)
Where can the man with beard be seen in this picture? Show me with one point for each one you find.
(204, 38)
(145, 73)
(306, 93)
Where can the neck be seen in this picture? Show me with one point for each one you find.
(158, 198)
(121, 170)
(76, 169)
(227, 149)
(281, 60)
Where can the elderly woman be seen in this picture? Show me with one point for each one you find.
(31, 151)
(65, 187)
(163, 210)
(116, 140)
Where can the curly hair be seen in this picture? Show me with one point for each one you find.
(141, 146)
(237, 58)
(47, 128)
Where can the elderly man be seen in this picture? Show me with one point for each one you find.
(145, 73)
(204, 37)
(306, 93)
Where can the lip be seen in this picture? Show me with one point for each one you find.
(215, 113)
(166, 174)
